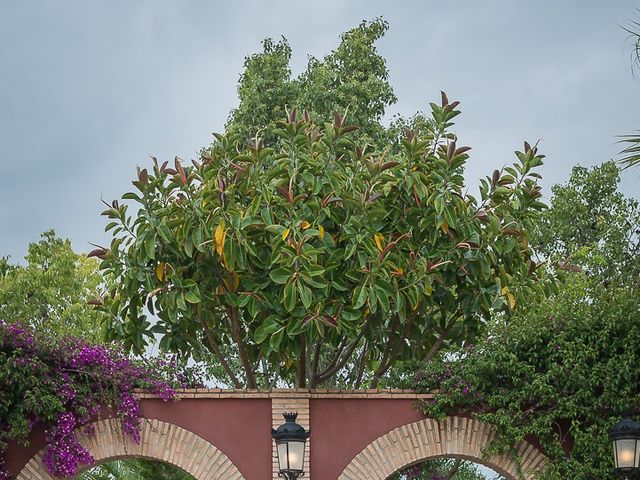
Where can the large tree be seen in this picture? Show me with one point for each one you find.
(52, 290)
(320, 255)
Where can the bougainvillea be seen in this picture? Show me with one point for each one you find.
(63, 384)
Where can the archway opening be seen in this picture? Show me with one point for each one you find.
(137, 468)
(449, 468)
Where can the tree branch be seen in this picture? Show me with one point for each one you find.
(391, 353)
(336, 357)
(215, 348)
(235, 331)
(302, 363)
(345, 357)
(437, 345)
(314, 362)
(363, 357)
(454, 468)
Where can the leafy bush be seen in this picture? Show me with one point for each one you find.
(563, 372)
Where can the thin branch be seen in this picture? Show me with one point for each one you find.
(235, 331)
(347, 354)
(302, 363)
(392, 354)
(215, 348)
(314, 362)
(363, 358)
(336, 357)
(437, 345)
(454, 468)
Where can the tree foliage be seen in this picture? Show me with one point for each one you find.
(319, 251)
(565, 367)
(442, 469)
(134, 469)
(591, 226)
(51, 292)
(352, 78)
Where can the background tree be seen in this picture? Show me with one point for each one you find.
(134, 469)
(443, 469)
(592, 226)
(319, 251)
(352, 78)
(52, 290)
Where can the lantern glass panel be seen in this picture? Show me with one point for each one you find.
(296, 455)
(625, 450)
(283, 456)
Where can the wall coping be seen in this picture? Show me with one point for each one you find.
(371, 393)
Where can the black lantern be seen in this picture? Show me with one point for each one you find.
(290, 439)
(625, 436)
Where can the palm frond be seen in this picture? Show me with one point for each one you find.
(630, 155)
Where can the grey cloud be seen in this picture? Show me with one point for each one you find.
(89, 89)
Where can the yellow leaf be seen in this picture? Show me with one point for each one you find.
(505, 290)
(512, 300)
(321, 230)
(445, 226)
(219, 236)
(160, 271)
(378, 237)
(285, 234)
(398, 272)
(305, 224)
(236, 282)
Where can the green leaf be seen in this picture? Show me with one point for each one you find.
(383, 298)
(192, 295)
(280, 276)
(350, 315)
(229, 253)
(359, 296)
(314, 270)
(290, 296)
(150, 246)
(305, 295)
(314, 282)
(438, 203)
(276, 339)
(450, 216)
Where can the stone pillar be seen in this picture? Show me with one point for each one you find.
(290, 401)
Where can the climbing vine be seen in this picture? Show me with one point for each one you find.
(562, 371)
(63, 385)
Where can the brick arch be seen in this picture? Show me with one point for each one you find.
(158, 440)
(428, 439)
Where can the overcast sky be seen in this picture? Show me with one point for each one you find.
(89, 89)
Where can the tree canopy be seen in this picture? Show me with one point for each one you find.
(305, 255)
(51, 292)
(353, 78)
(592, 226)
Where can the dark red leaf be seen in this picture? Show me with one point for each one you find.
(445, 100)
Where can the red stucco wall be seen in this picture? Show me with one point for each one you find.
(341, 428)
(239, 427)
